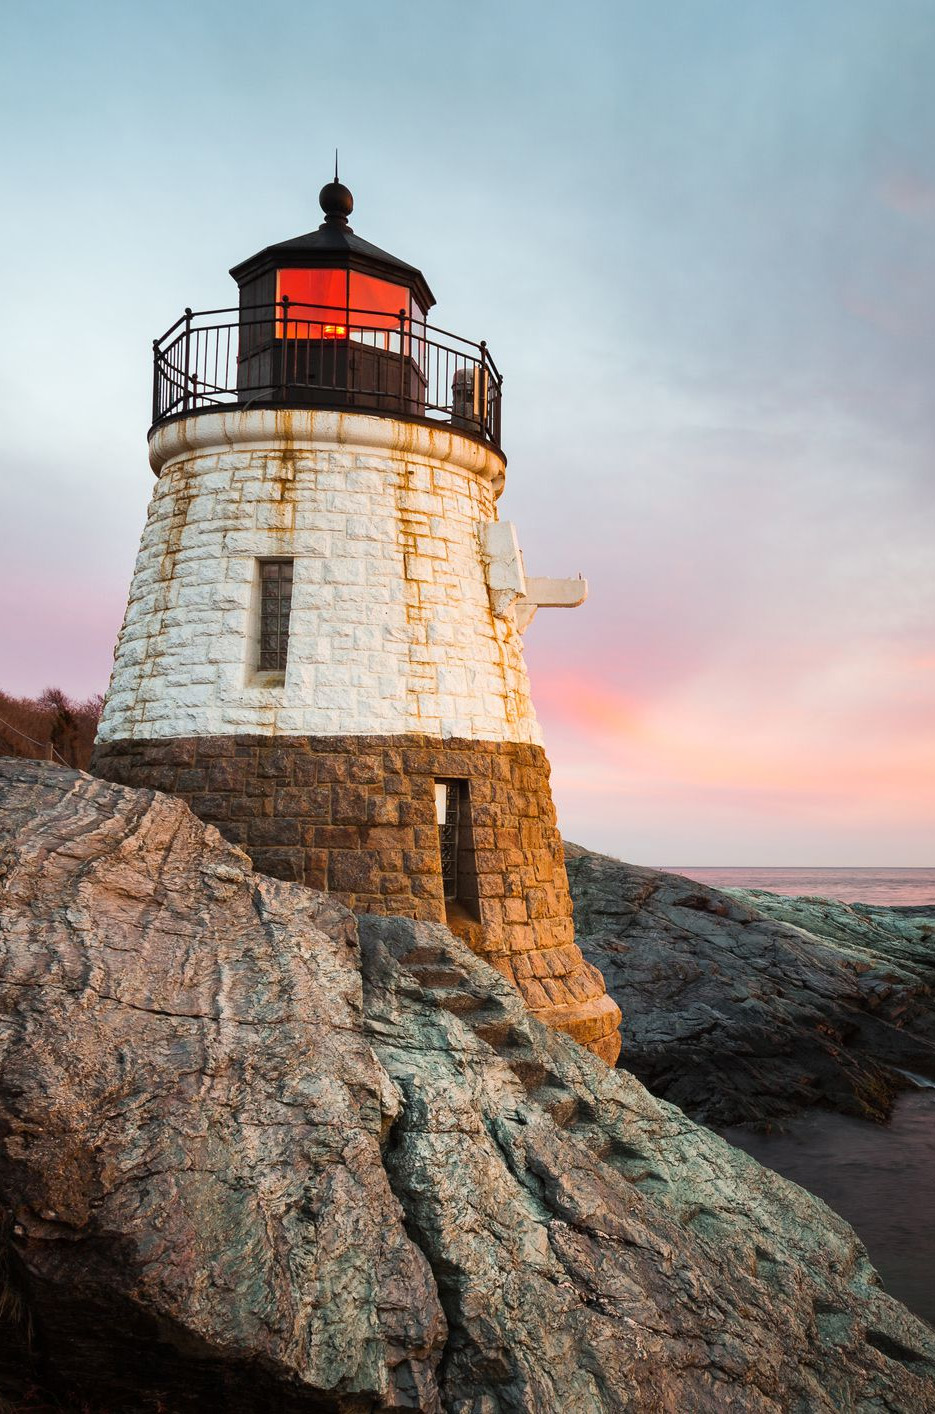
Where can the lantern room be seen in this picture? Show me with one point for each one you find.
(327, 320)
(328, 317)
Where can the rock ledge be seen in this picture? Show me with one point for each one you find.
(247, 1162)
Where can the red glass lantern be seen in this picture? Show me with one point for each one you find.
(328, 319)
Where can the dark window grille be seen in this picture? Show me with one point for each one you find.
(447, 795)
(275, 607)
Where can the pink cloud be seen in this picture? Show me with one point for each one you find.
(832, 753)
(908, 193)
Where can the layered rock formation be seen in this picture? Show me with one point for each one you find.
(248, 1163)
(744, 1007)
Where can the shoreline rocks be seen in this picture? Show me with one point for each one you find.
(257, 1154)
(745, 1007)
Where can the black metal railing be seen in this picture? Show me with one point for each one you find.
(296, 355)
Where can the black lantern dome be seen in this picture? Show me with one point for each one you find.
(334, 247)
(329, 311)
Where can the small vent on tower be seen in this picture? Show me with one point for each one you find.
(275, 608)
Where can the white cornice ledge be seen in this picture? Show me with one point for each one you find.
(310, 429)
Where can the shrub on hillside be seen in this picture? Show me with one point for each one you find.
(51, 727)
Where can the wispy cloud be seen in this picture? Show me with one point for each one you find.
(908, 193)
(815, 755)
(699, 240)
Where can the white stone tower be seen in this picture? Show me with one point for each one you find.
(322, 648)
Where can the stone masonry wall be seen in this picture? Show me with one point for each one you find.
(392, 627)
(356, 816)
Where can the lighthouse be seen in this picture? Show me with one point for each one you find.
(322, 648)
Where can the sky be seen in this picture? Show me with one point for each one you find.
(699, 238)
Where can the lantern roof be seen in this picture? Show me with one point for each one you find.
(335, 246)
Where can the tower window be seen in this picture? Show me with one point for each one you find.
(275, 607)
(447, 811)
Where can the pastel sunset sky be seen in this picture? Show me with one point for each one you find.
(699, 237)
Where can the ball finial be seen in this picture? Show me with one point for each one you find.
(336, 202)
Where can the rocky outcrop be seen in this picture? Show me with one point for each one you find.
(745, 1007)
(191, 1119)
(247, 1163)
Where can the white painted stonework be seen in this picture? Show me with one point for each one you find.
(394, 625)
(506, 577)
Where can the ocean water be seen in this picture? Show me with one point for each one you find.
(877, 1176)
(895, 888)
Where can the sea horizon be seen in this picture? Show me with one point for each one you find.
(909, 886)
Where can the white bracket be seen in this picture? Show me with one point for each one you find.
(543, 593)
(510, 587)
